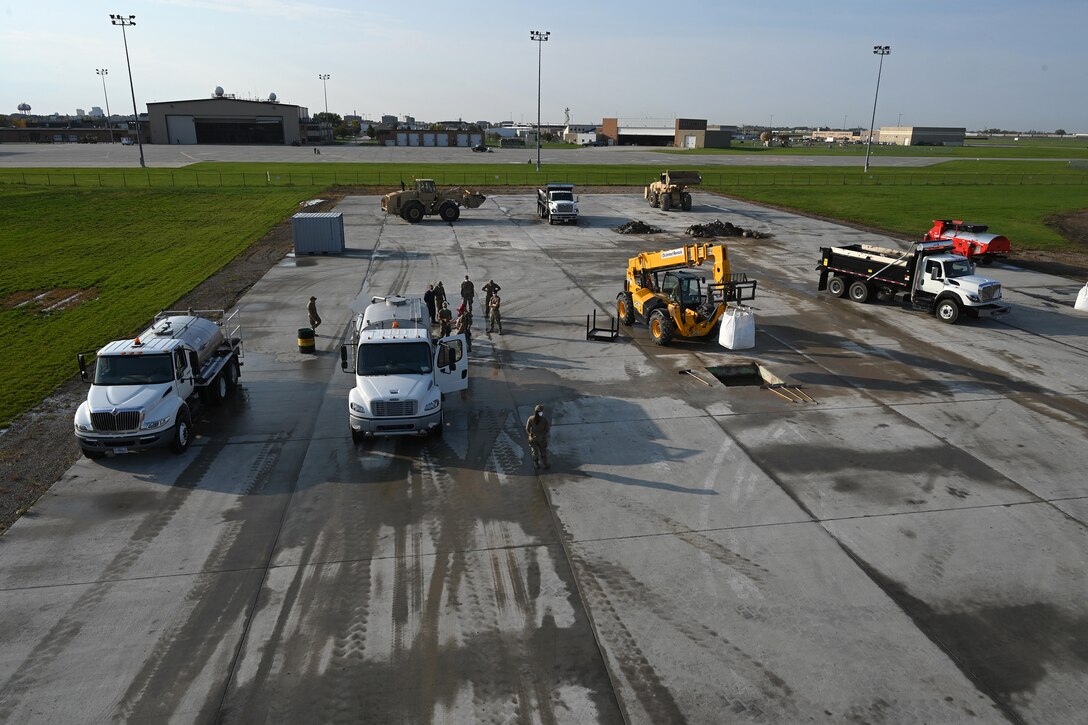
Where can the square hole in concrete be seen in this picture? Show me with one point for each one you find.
(744, 372)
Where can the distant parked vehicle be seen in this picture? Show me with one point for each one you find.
(126, 141)
(482, 148)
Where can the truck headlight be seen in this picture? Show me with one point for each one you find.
(85, 427)
(973, 298)
(153, 424)
(432, 405)
(357, 408)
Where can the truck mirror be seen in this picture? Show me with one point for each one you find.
(194, 364)
(84, 375)
(344, 358)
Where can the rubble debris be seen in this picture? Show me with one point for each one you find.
(637, 227)
(718, 228)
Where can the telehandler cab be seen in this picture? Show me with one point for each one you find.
(673, 301)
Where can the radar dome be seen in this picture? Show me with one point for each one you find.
(219, 90)
(272, 97)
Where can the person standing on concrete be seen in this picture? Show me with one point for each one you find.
(537, 428)
(311, 312)
(464, 327)
(439, 295)
(468, 291)
(494, 317)
(428, 299)
(490, 289)
(445, 320)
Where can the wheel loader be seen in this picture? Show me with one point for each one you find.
(674, 301)
(671, 190)
(424, 199)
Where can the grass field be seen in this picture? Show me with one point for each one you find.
(135, 251)
(139, 240)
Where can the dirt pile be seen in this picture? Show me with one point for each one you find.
(718, 228)
(637, 227)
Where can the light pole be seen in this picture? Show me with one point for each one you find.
(881, 50)
(325, 84)
(103, 72)
(124, 22)
(899, 121)
(540, 36)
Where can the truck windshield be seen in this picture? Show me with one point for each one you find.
(562, 196)
(133, 370)
(958, 268)
(412, 358)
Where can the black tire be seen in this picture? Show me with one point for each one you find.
(625, 308)
(218, 390)
(836, 286)
(233, 372)
(859, 291)
(449, 212)
(685, 202)
(94, 455)
(413, 212)
(652, 198)
(437, 431)
(183, 431)
(661, 327)
(666, 202)
(947, 310)
(357, 437)
(985, 260)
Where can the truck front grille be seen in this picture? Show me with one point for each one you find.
(116, 422)
(394, 408)
(564, 207)
(989, 292)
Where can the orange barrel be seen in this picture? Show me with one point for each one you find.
(306, 340)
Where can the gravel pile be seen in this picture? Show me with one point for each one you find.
(637, 227)
(718, 228)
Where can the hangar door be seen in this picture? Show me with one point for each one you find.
(239, 130)
(180, 129)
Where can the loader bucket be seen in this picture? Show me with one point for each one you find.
(472, 199)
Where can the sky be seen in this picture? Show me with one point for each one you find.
(1012, 65)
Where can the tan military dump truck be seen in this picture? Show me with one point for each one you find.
(424, 199)
(670, 191)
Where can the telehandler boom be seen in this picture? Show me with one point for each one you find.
(661, 290)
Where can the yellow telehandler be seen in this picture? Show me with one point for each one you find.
(661, 289)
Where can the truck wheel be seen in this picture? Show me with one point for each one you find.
(859, 292)
(413, 212)
(94, 455)
(652, 199)
(985, 260)
(449, 212)
(439, 429)
(183, 431)
(625, 308)
(836, 286)
(661, 327)
(948, 310)
(218, 390)
(685, 202)
(666, 202)
(233, 373)
(357, 437)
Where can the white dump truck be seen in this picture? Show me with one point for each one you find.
(144, 391)
(401, 372)
(556, 203)
(928, 277)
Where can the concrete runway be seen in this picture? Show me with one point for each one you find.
(908, 549)
(164, 156)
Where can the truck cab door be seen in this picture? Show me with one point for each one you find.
(427, 192)
(183, 373)
(933, 278)
(451, 364)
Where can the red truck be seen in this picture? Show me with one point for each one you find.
(970, 240)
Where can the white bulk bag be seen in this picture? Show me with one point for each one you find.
(1082, 299)
(738, 329)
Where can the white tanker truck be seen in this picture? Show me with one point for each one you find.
(143, 390)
